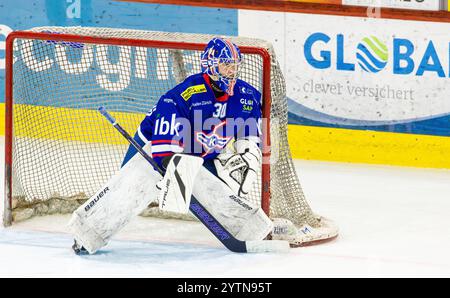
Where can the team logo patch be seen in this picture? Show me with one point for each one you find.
(193, 90)
(247, 105)
(213, 140)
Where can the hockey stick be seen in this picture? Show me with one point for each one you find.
(228, 240)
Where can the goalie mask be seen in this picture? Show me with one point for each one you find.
(221, 60)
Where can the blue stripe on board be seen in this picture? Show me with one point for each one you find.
(435, 127)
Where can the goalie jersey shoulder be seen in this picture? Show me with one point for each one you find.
(249, 98)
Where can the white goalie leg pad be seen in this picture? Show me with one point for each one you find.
(257, 227)
(125, 195)
(176, 186)
(241, 218)
(303, 235)
(285, 230)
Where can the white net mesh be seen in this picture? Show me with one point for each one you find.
(63, 150)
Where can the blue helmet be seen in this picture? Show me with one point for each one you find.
(226, 54)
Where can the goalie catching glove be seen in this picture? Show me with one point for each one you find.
(239, 171)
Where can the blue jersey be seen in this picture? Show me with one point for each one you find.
(190, 119)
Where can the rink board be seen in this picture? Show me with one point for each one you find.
(307, 142)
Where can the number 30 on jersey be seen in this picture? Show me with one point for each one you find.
(221, 110)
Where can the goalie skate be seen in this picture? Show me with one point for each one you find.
(78, 249)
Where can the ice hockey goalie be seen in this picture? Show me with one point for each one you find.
(205, 134)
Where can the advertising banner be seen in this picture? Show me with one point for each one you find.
(366, 73)
(405, 4)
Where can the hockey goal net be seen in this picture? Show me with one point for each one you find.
(60, 151)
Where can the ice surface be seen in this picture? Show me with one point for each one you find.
(393, 221)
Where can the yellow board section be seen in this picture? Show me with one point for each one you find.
(345, 145)
(306, 142)
(68, 124)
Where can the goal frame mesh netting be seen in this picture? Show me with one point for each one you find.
(281, 195)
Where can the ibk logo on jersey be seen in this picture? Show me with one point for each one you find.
(213, 140)
(164, 127)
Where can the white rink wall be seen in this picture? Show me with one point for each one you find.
(357, 71)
